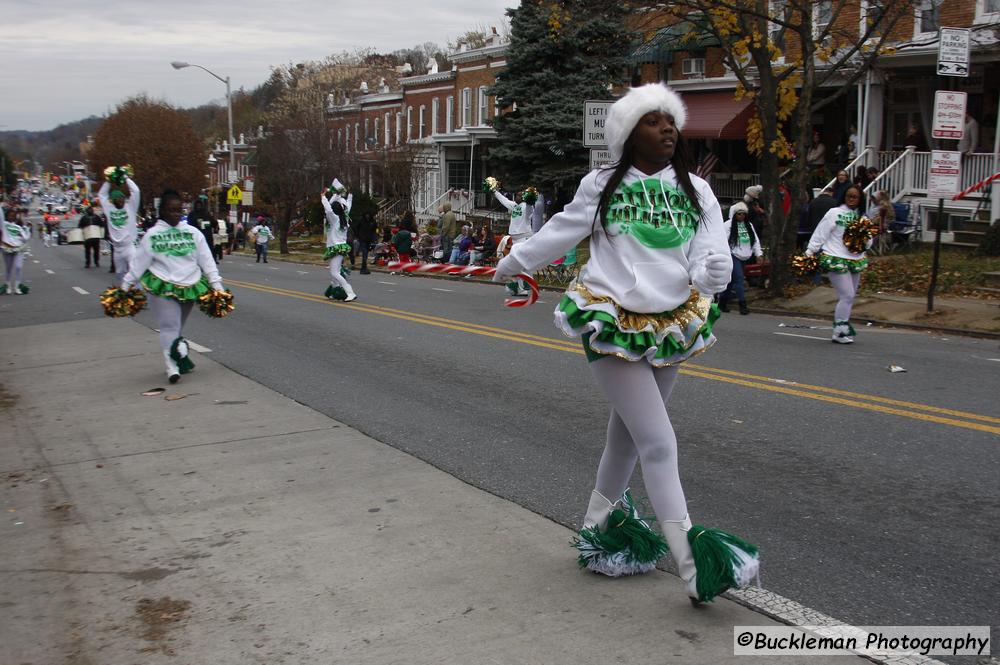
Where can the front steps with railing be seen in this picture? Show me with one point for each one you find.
(975, 230)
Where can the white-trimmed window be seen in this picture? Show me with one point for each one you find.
(388, 131)
(340, 139)
(409, 123)
(822, 15)
(376, 131)
(927, 17)
(367, 131)
(466, 107)
(347, 138)
(357, 135)
(484, 105)
(435, 110)
(399, 126)
(987, 11)
(421, 121)
(449, 115)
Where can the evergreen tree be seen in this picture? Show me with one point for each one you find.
(561, 54)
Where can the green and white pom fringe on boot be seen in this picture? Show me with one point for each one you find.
(843, 332)
(179, 354)
(709, 561)
(615, 540)
(14, 289)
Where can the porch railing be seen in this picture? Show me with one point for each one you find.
(860, 160)
(732, 185)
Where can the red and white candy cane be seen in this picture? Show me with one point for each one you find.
(450, 269)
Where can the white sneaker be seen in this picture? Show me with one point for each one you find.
(351, 298)
(842, 339)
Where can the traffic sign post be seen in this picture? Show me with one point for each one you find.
(599, 157)
(594, 114)
(944, 180)
(234, 195)
(953, 52)
(949, 115)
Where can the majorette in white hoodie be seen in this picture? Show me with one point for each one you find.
(122, 224)
(829, 234)
(655, 245)
(176, 254)
(13, 235)
(335, 234)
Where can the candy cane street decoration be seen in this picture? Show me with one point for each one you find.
(450, 269)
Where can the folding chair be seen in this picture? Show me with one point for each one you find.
(903, 230)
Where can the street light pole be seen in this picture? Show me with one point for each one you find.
(229, 108)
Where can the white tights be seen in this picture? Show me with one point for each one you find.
(170, 318)
(336, 277)
(12, 267)
(639, 430)
(846, 285)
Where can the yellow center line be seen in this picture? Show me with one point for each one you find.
(867, 402)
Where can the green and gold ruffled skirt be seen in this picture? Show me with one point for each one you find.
(828, 263)
(180, 293)
(662, 339)
(343, 249)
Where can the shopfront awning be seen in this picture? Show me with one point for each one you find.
(716, 115)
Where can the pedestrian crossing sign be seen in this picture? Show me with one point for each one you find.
(234, 195)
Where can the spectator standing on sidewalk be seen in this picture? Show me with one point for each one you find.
(91, 246)
(743, 243)
(655, 230)
(366, 237)
(262, 235)
(449, 229)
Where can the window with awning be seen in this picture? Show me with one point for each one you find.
(683, 36)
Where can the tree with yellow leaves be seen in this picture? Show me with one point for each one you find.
(782, 52)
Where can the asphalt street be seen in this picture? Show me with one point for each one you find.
(872, 494)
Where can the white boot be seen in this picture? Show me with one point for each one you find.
(676, 533)
(173, 372)
(350, 294)
(597, 511)
(843, 333)
(10, 289)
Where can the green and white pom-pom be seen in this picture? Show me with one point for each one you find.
(627, 546)
(179, 354)
(335, 292)
(345, 271)
(723, 561)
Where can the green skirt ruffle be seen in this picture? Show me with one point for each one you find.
(165, 289)
(343, 249)
(837, 264)
(663, 339)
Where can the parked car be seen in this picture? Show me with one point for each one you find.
(65, 226)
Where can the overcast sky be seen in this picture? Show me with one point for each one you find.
(64, 61)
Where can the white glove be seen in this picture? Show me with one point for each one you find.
(714, 275)
(507, 269)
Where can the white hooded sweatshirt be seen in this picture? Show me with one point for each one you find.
(122, 224)
(829, 234)
(176, 254)
(13, 235)
(335, 234)
(651, 251)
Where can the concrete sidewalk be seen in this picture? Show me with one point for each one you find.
(235, 525)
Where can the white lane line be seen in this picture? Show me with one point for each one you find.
(198, 347)
(51, 272)
(81, 291)
(434, 288)
(389, 283)
(35, 261)
(822, 339)
(302, 272)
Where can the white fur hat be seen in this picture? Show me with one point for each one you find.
(738, 207)
(637, 102)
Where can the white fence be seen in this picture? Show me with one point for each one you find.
(732, 186)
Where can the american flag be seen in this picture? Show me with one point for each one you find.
(706, 164)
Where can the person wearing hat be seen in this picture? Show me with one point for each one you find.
(337, 247)
(755, 211)
(122, 213)
(642, 305)
(743, 243)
